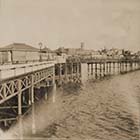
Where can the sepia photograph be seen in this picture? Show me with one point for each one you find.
(69, 69)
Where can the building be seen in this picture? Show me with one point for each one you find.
(18, 53)
(46, 54)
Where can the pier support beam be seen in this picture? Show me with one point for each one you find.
(84, 72)
(66, 72)
(96, 75)
(32, 88)
(88, 70)
(77, 69)
(104, 69)
(126, 66)
(114, 67)
(71, 70)
(92, 69)
(109, 68)
(100, 69)
(54, 87)
(118, 66)
(19, 98)
(131, 66)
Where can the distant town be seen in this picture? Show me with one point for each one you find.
(20, 53)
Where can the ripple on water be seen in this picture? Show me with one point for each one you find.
(107, 110)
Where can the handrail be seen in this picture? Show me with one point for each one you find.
(17, 70)
(9, 67)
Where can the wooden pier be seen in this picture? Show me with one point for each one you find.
(26, 84)
(97, 69)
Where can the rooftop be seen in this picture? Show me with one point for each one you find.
(18, 47)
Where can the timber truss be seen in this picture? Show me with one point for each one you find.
(13, 87)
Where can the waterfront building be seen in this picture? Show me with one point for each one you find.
(18, 53)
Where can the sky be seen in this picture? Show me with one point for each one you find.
(66, 23)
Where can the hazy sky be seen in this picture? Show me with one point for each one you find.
(98, 23)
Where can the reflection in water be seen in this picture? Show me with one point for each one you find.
(33, 119)
(54, 93)
(20, 124)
